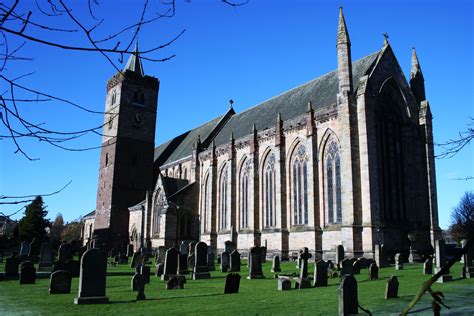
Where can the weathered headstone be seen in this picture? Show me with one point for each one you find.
(339, 254)
(232, 282)
(191, 259)
(373, 272)
(184, 248)
(159, 269)
(255, 264)
(201, 266)
(92, 278)
(320, 273)
(160, 254)
(347, 267)
(235, 261)
(171, 264)
(363, 263)
(225, 262)
(284, 284)
(348, 296)
(428, 266)
(467, 260)
(145, 273)
(229, 246)
(391, 288)
(24, 249)
(356, 267)
(60, 282)
(176, 282)
(135, 279)
(11, 266)
(398, 262)
(46, 257)
(440, 249)
(413, 256)
(27, 273)
(65, 252)
(276, 264)
(210, 261)
(264, 254)
(303, 281)
(192, 247)
(380, 256)
(129, 250)
(183, 263)
(140, 287)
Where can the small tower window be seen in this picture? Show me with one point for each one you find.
(111, 123)
(114, 97)
(139, 97)
(106, 159)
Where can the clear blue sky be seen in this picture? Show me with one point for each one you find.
(249, 54)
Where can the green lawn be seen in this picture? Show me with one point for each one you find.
(255, 296)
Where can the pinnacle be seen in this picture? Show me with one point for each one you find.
(134, 62)
(415, 64)
(342, 34)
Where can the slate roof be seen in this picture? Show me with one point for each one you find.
(90, 214)
(321, 91)
(174, 185)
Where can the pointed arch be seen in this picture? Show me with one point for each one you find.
(206, 202)
(244, 177)
(298, 167)
(331, 162)
(224, 196)
(268, 174)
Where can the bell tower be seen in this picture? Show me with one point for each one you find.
(126, 160)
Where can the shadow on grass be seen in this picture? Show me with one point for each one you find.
(166, 298)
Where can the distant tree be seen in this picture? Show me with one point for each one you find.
(57, 227)
(71, 232)
(462, 218)
(33, 224)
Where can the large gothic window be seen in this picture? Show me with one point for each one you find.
(299, 183)
(160, 203)
(206, 202)
(223, 195)
(333, 183)
(269, 191)
(244, 193)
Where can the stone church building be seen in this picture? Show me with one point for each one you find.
(344, 159)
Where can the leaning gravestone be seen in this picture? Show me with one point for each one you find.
(398, 262)
(391, 289)
(235, 261)
(440, 249)
(276, 264)
(284, 284)
(11, 266)
(232, 282)
(373, 272)
(348, 297)
(428, 266)
(320, 274)
(24, 249)
(225, 262)
(27, 273)
(255, 263)
(92, 278)
(229, 246)
(171, 264)
(339, 254)
(46, 257)
(201, 266)
(60, 282)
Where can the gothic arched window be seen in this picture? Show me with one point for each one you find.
(299, 183)
(206, 202)
(333, 183)
(223, 195)
(160, 204)
(269, 191)
(114, 97)
(244, 193)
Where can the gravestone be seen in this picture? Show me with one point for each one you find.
(284, 284)
(232, 282)
(380, 256)
(210, 261)
(348, 296)
(264, 254)
(27, 273)
(170, 268)
(235, 262)
(225, 262)
(201, 266)
(276, 264)
(440, 249)
(192, 247)
(60, 282)
(391, 288)
(346, 267)
(191, 259)
(92, 278)
(339, 254)
(303, 281)
(35, 246)
(160, 255)
(373, 272)
(159, 269)
(145, 273)
(46, 257)
(398, 262)
(11, 266)
(137, 259)
(129, 250)
(121, 259)
(140, 287)
(356, 267)
(24, 249)
(229, 246)
(467, 260)
(176, 282)
(428, 266)
(320, 273)
(255, 263)
(331, 265)
(184, 248)
(183, 263)
(413, 256)
(135, 279)
(65, 252)
(363, 263)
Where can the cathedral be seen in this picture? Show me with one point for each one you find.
(344, 159)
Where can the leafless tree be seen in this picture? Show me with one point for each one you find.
(453, 146)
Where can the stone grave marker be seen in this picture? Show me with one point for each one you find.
(65, 253)
(145, 273)
(201, 266)
(440, 249)
(137, 259)
(92, 278)
(232, 282)
(135, 279)
(176, 282)
(229, 246)
(391, 288)
(235, 261)
(284, 284)
(320, 273)
(348, 296)
(27, 273)
(191, 259)
(264, 254)
(192, 246)
(159, 269)
(303, 281)
(11, 266)
(380, 256)
(129, 250)
(35, 246)
(363, 263)
(24, 249)
(210, 261)
(255, 263)
(373, 272)
(170, 268)
(347, 267)
(60, 282)
(413, 256)
(46, 257)
(339, 254)
(398, 262)
(160, 255)
(183, 263)
(356, 267)
(428, 266)
(276, 264)
(184, 248)
(140, 287)
(225, 262)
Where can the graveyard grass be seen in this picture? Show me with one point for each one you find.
(255, 296)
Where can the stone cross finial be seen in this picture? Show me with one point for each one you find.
(231, 102)
(385, 40)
